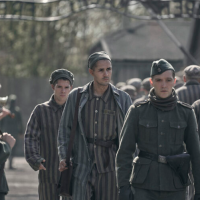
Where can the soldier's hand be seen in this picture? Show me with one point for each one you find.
(41, 167)
(8, 138)
(62, 165)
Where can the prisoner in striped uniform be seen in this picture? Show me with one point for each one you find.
(190, 91)
(41, 135)
(196, 106)
(102, 110)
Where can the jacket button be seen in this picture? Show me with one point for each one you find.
(178, 126)
(160, 145)
(162, 120)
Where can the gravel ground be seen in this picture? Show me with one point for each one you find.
(22, 182)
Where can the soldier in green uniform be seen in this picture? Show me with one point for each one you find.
(162, 127)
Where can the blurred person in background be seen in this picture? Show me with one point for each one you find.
(131, 90)
(179, 83)
(120, 84)
(41, 135)
(190, 91)
(14, 125)
(137, 83)
(146, 86)
(196, 106)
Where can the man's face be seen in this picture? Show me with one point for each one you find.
(61, 91)
(163, 84)
(102, 72)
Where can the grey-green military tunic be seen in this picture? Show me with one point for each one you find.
(162, 133)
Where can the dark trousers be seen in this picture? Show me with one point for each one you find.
(142, 194)
(101, 186)
(48, 191)
(2, 196)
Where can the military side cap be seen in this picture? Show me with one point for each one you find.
(61, 73)
(160, 66)
(93, 58)
(192, 71)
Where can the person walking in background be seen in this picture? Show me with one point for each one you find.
(190, 91)
(137, 83)
(101, 113)
(162, 127)
(14, 125)
(196, 106)
(41, 135)
(145, 88)
(131, 90)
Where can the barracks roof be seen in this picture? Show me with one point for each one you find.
(145, 41)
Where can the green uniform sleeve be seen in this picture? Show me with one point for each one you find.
(193, 148)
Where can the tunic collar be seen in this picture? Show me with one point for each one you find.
(104, 97)
(192, 82)
(54, 105)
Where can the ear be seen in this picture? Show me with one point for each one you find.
(91, 71)
(175, 81)
(151, 82)
(52, 86)
(184, 78)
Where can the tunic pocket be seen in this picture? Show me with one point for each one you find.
(177, 132)
(148, 131)
(140, 170)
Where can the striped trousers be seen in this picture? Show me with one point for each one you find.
(101, 186)
(48, 191)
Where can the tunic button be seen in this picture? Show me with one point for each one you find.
(96, 111)
(162, 121)
(178, 126)
(95, 146)
(97, 99)
(147, 125)
(160, 145)
(95, 135)
(95, 122)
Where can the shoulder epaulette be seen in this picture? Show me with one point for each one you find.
(141, 103)
(184, 104)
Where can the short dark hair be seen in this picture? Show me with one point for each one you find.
(95, 64)
(65, 79)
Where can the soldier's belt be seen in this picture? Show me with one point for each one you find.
(107, 144)
(180, 163)
(154, 157)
